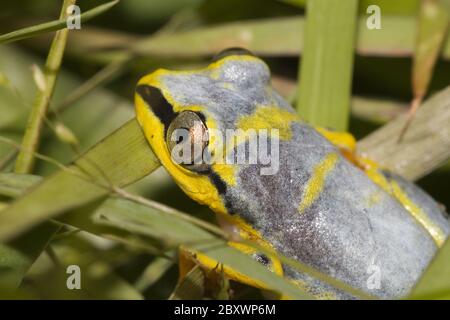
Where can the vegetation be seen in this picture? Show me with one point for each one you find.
(80, 186)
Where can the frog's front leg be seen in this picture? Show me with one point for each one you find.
(238, 233)
(216, 271)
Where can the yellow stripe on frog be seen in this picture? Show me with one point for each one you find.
(392, 188)
(433, 229)
(315, 184)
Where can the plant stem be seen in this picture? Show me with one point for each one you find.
(432, 25)
(425, 146)
(327, 64)
(30, 143)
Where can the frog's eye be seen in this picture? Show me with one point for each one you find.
(232, 52)
(186, 138)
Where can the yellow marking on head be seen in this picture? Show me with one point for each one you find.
(269, 118)
(315, 184)
(393, 189)
(263, 118)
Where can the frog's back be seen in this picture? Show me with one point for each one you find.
(323, 211)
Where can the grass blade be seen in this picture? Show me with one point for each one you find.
(17, 256)
(30, 142)
(124, 157)
(275, 37)
(192, 287)
(434, 283)
(433, 26)
(53, 25)
(135, 218)
(327, 63)
(13, 185)
(388, 6)
(154, 271)
(129, 216)
(139, 219)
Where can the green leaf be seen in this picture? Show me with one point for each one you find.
(191, 287)
(152, 273)
(99, 279)
(274, 37)
(150, 221)
(46, 85)
(53, 25)
(109, 112)
(17, 256)
(13, 185)
(88, 124)
(327, 63)
(171, 231)
(433, 26)
(120, 159)
(404, 7)
(434, 283)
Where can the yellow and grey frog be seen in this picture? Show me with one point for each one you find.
(319, 205)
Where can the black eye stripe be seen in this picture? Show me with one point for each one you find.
(218, 182)
(159, 105)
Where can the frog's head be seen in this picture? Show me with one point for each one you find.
(192, 104)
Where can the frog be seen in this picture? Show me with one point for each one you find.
(323, 206)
